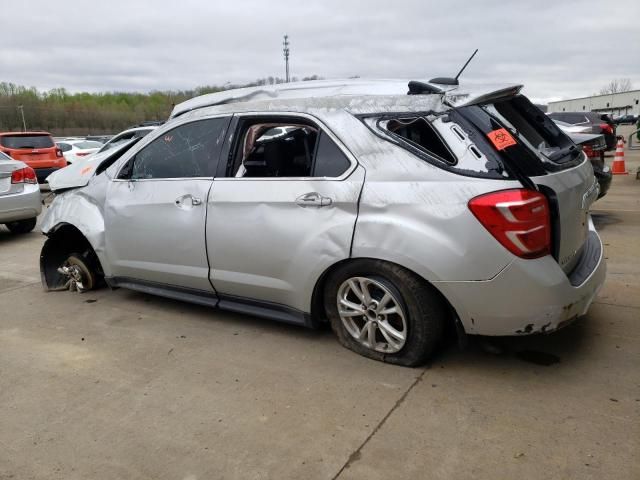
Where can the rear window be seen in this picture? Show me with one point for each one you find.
(88, 144)
(26, 141)
(532, 127)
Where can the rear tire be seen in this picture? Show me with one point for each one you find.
(399, 319)
(22, 226)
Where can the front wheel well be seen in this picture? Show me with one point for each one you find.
(319, 314)
(63, 240)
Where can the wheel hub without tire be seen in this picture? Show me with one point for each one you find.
(78, 276)
(372, 314)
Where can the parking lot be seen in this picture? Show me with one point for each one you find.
(118, 384)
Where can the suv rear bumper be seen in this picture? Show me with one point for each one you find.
(530, 296)
(21, 206)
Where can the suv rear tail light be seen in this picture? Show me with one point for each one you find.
(24, 175)
(606, 128)
(589, 152)
(59, 153)
(519, 219)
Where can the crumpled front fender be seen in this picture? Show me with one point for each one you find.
(82, 211)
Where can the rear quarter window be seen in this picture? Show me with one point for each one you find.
(26, 141)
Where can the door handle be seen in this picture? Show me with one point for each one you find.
(188, 201)
(313, 199)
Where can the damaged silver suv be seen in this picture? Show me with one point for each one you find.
(388, 209)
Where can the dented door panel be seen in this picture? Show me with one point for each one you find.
(263, 244)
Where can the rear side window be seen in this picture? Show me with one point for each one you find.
(26, 141)
(445, 139)
(506, 139)
(65, 147)
(190, 150)
(420, 133)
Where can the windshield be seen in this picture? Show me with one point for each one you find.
(26, 141)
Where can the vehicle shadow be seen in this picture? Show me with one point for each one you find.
(603, 220)
(206, 314)
(561, 348)
(558, 349)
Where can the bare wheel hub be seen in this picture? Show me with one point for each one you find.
(78, 277)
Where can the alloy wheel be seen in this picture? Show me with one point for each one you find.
(372, 314)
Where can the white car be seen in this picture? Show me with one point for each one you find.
(74, 150)
(122, 137)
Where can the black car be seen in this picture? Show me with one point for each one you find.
(594, 147)
(626, 120)
(593, 122)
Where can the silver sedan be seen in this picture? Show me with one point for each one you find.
(20, 201)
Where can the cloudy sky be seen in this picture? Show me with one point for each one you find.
(558, 49)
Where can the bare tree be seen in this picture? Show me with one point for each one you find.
(617, 85)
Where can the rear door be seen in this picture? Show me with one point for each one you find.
(155, 210)
(283, 212)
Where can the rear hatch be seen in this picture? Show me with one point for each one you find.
(539, 154)
(502, 135)
(35, 149)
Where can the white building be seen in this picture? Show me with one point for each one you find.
(613, 103)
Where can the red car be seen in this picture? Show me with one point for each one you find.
(36, 149)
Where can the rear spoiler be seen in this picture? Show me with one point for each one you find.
(457, 98)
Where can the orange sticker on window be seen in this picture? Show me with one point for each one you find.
(501, 138)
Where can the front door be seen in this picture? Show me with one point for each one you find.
(156, 207)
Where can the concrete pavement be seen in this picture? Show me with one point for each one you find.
(117, 384)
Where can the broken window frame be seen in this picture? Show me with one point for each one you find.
(372, 120)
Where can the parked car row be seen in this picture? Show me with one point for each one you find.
(589, 122)
(629, 119)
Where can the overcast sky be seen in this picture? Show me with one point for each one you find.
(558, 49)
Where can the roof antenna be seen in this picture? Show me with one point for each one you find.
(453, 81)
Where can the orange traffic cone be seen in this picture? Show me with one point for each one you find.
(618, 167)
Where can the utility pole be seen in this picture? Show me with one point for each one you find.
(285, 50)
(24, 124)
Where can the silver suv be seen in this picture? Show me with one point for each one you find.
(385, 209)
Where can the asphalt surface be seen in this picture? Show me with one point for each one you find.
(117, 384)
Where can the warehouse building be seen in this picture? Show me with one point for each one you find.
(613, 103)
